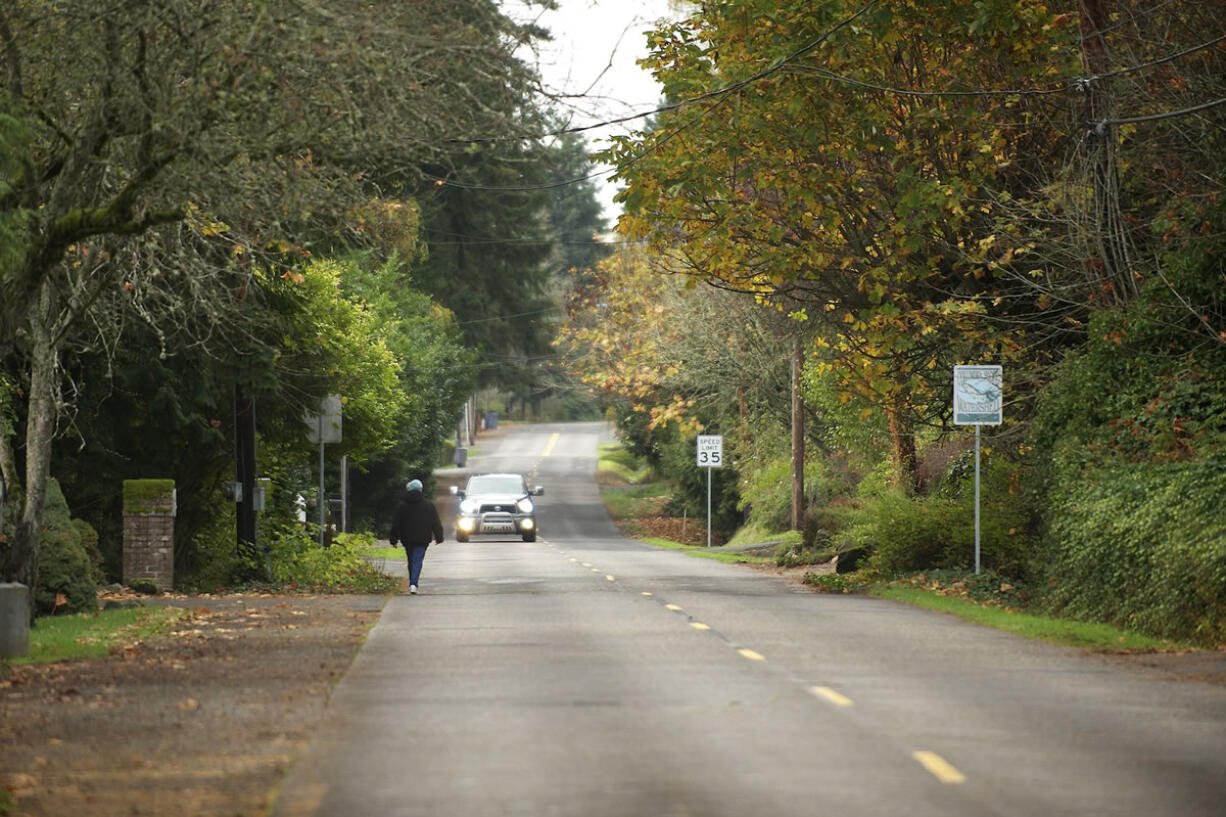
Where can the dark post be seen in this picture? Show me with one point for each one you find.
(244, 468)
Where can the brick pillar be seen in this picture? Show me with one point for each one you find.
(149, 531)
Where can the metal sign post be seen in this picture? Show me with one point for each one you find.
(710, 455)
(978, 401)
(325, 428)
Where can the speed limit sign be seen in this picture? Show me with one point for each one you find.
(710, 451)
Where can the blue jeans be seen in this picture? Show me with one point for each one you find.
(415, 555)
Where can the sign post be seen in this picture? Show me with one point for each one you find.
(978, 401)
(325, 427)
(710, 455)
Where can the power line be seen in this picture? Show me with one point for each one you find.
(1157, 116)
(507, 317)
(1077, 83)
(718, 92)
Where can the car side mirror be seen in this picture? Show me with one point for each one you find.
(538, 491)
(456, 492)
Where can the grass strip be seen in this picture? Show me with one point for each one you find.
(1060, 631)
(703, 553)
(615, 460)
(381, 553)
(87, 635)
(640, 500)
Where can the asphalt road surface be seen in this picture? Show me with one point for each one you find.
(589, 675)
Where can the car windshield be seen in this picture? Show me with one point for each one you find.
(497, 484)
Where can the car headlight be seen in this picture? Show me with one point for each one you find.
(524, 505)
(469, 506)
(527, 524)
(467, 525)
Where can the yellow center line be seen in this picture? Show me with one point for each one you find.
(673, 607)
(644, 593)
(698, 625)
(751, 655)
(939, 767)
(610, 578)
(587, 564)
(549, 448)
(830, 695)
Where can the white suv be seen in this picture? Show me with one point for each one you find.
(496, 504)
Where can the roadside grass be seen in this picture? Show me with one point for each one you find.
(88, 635)
(636, 501)
(701, 552)
(616, 464)
(381, 552)
(754, 534)
(1064, 632)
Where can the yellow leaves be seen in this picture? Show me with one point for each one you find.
(202, 223)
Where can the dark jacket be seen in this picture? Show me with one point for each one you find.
(416, 522)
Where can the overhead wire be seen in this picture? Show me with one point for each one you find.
(672, 106)
(787, 62)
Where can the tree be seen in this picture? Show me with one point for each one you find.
(845, 157)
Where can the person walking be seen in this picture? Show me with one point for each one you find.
(415, 524)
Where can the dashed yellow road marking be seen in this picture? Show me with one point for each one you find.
(698, 625)
(673, 607)
(939, 767)
(586, 564)
(751, 655)
(549, 448)
(830, 695)
(645, 593)
(610, 578)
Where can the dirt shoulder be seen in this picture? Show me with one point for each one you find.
(204, 721)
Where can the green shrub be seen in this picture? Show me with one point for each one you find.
(766, 486)
(65, 569)
(912, 533)
(841, 582)
(147, 586)
(808, 551)
(296, 561)
(89, 541)
(1142, 546)
(213, 563)
(767, 489)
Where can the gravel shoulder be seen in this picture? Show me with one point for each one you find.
(203, 721)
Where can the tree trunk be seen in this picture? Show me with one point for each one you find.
(22, 564)
(902, 440)
(798, 437)
(8, 465)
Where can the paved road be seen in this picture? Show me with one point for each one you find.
(592, 676)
